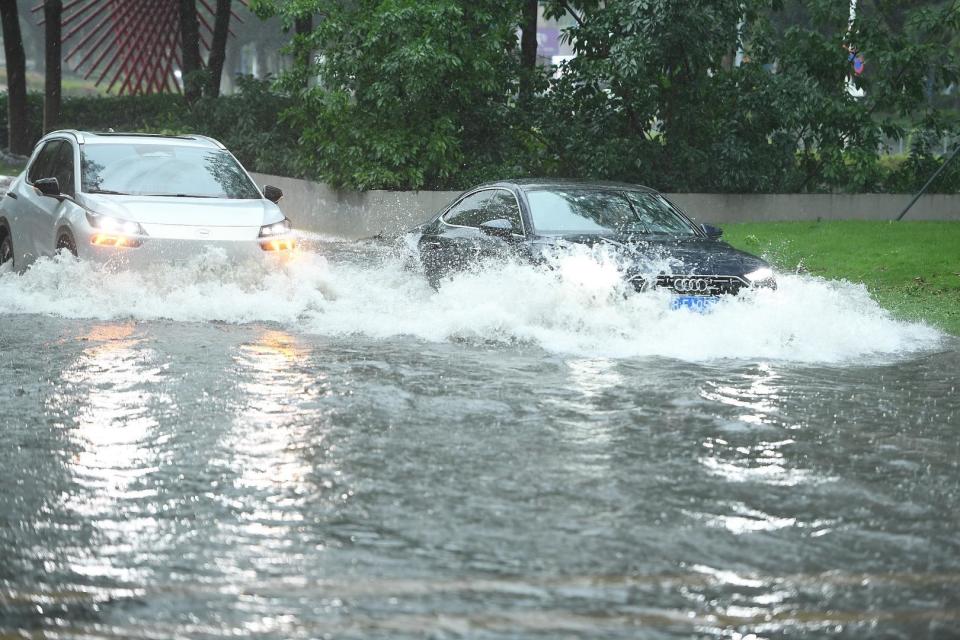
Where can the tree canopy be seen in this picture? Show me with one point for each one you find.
(721, 95)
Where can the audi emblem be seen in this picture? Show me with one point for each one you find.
(691, 285)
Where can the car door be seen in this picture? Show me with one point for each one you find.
(64, 170)
(38, 213)
(28, 210)
(460, 238)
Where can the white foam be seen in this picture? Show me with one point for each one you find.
(580, 306)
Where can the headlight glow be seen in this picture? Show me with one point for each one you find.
(760, 275)
(275, 229)
(115, 232)
(277, 236)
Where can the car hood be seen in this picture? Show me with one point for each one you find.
(688, 256)
(203, 212)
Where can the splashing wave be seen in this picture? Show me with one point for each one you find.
(579, 306)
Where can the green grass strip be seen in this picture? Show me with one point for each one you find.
(910, 268)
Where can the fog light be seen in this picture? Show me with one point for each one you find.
(109, 240)
(278, 244)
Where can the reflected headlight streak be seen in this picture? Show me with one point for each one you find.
(762, 276)
(114, 232)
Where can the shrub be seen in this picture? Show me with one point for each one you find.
(246, 122)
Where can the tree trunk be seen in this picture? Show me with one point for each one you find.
(528, 48)
(218, 49)
(52, 11)
(18, 137)
(190, 48)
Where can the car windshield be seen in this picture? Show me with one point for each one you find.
(604, 211)
(163, 170)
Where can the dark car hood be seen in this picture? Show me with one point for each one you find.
(687, 256)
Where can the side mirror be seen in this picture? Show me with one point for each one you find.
(712, 232)
(501, 227)
(48, 187)
(273, 194)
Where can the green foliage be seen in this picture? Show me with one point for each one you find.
(404, 94)
(123, 113)
(246, 122)
(408, 94)
(653, 96)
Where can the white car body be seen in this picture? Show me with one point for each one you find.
(145, 228)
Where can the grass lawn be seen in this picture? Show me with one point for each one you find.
(911, 268)
(7, 169)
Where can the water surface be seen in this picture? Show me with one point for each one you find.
(335, 450)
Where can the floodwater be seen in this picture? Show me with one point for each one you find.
(332, 449)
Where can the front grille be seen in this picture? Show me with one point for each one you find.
(694, 285)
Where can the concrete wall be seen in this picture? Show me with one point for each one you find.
(316, 207)
(723, 207)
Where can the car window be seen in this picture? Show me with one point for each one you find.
(559, 211)
(63, 168)
(658, 214)
(42, 166)
(484, 206)
(163, 170)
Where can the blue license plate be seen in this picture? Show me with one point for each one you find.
(700, 304)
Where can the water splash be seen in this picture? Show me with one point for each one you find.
(579, 305)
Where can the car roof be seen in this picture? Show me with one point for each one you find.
(112, 137)
(533, 184)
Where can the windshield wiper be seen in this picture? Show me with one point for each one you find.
(176, 195)
(107, 191)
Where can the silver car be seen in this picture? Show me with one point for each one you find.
(137, 198)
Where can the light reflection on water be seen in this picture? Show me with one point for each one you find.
(211, 480)
(758, 400)
(108, 398)
(271, 427)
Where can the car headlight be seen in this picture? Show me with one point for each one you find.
(276, 229)
(761, 276)
(115, 232)
(276, 236)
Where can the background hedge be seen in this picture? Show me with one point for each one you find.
(247, 122)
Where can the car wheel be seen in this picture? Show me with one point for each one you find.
(6, 254)
(65, 241)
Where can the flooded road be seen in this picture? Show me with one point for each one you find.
(335, 450)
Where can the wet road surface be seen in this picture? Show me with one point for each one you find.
(325, 471)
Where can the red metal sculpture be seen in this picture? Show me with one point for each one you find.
(133, 44)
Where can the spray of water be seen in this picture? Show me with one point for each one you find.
(577, 304)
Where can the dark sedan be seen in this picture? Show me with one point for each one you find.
(529, 218)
